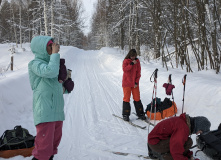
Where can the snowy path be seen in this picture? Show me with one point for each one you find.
(90, 131)
(90, 128)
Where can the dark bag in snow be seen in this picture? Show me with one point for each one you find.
(210, 143)
(160, 106)
(164, 109)
(17, 138)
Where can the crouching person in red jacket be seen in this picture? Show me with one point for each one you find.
(130, 84)
(169, 140)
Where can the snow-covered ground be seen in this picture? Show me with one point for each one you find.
(90, 131)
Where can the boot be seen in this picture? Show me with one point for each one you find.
(139, 109)
(51, 158)
(126, 118)
(126, 111)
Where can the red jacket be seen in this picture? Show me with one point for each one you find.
(177, 130)
(131, 73)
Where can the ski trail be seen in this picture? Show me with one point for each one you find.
(89, 122)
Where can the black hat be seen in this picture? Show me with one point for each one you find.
(200, 123)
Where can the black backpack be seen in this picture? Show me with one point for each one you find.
(17, 138)
(210, 144)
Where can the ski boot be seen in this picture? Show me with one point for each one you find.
(126, 118)
(126, 111)
(51, 158)
(139, 110)
(142, 117)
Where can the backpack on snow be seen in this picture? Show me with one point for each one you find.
(210, 143)
(17, 141)
(164, 109)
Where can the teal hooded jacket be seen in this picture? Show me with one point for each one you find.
(48, 101)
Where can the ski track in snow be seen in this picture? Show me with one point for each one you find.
(89, 129)
(93, 103)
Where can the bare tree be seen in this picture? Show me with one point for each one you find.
(45, 17)
(14, 25)
(52, 18)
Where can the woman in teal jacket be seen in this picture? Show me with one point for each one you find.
(48, 102)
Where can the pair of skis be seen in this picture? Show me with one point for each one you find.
(133, 124)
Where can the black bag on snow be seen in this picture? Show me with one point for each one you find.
(17, 138)
(210, 144)
(160, 105)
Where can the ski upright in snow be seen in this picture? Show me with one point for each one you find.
(143, 120)
(131, 123)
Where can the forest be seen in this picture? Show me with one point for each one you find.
(182, 30)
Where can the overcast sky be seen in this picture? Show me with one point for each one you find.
(89, 9)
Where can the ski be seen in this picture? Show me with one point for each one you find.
(132, 154)
(143, 120)
(131, 123)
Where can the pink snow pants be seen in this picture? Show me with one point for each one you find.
(47, 139)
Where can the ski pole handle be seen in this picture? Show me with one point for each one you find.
(169, 79)
(154, 74)
(184, 79)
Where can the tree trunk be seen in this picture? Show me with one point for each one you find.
(130, 27)
(137, 41)
(175, 35)
(45, 18)
(156, 17)
(52, 19)
(14, 26)
(122, 35)
(20, 25)
(213, 36)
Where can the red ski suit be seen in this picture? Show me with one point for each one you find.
(177, 130)
(131, 73)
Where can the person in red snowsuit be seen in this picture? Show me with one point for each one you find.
(170, 139)
(130, 83)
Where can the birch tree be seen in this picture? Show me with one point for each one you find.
(14, 24)
(45, 17)
(52, 18)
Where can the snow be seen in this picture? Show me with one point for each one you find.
(90, 131)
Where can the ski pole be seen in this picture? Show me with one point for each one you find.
(151, 106)
(170, 82)
(154, 90)
(155, 107)
(184, 84)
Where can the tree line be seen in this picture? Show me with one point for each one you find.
(22, 19)
(183, 25)
(170, 30)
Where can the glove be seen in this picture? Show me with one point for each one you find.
(169, 88)
(62, 71)
(68, 85)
